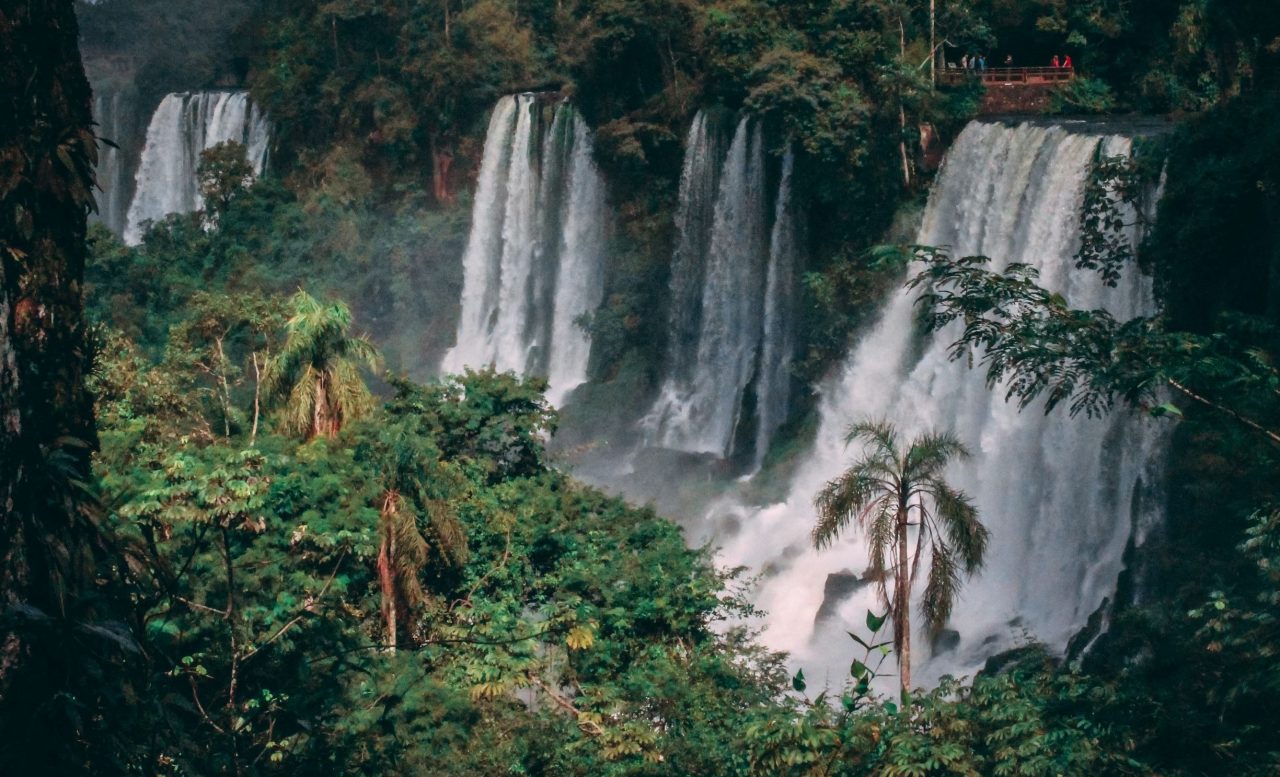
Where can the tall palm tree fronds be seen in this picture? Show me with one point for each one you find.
(418, 525)
(889, 492)
(413, 529)
(317, 372)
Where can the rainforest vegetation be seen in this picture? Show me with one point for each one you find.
(246, 531)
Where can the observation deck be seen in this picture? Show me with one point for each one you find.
(1012, 76)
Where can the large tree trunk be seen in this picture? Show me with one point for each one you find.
(902, 593)
(323, 419)
(902, 111)
(386, 568)
(933, 42)
(441, 163)
(51, 705)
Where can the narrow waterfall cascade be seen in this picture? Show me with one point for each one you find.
(1061, 496)
(699, 182)
(534, 262)
(579, 288)
(114, 111)
(731, 290)
(183, 125)
(773, 388)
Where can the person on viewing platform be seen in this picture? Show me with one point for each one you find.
(1008, 60)
(982, 62)
(964, 62)
(1066, 63)
(1056, 63)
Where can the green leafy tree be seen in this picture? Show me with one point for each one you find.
(316, 374)
(496, 422)
(457, 58)
(881, 493)
(404, 82)
(256, 563)
(1030, 340)
(1031, 719)
(226, 338)
(223, 173)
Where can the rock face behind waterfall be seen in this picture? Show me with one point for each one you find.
(534, 262)
(182, 126)
(732, 290)
(115, 112)
(1061, 496)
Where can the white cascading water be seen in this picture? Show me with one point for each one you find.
(539, 229)
(511, 337)
(773, 386)
(182, 126)
(579, 287)
(699, 182)
(480, 269)
(1061, 496)
(740, 305)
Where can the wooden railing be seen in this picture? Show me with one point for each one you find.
(1008, 75)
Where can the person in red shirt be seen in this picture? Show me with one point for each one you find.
(1055, 61)
(1067, 62)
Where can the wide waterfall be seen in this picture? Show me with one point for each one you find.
(1061, 496)
(184, 125)
(732, 285)
(534, 262)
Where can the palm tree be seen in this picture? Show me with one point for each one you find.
(417, 523)
(317, 372)
(405, 550)
(888, 493)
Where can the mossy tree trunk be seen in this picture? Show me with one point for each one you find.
(441, 164)
(51, 699)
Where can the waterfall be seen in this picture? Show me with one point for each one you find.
(699, 181)
(484, 245)
(534, 261)
(113, 111)
(184, 125)
(730, 290)
(580, 280)
(773, 387)
(1061, 496)
(511, 337)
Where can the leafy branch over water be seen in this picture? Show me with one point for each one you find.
(1036, 346)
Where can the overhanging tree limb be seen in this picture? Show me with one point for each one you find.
(1249, 422)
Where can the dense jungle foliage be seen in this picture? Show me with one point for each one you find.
(379, 109)
(311, 557)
